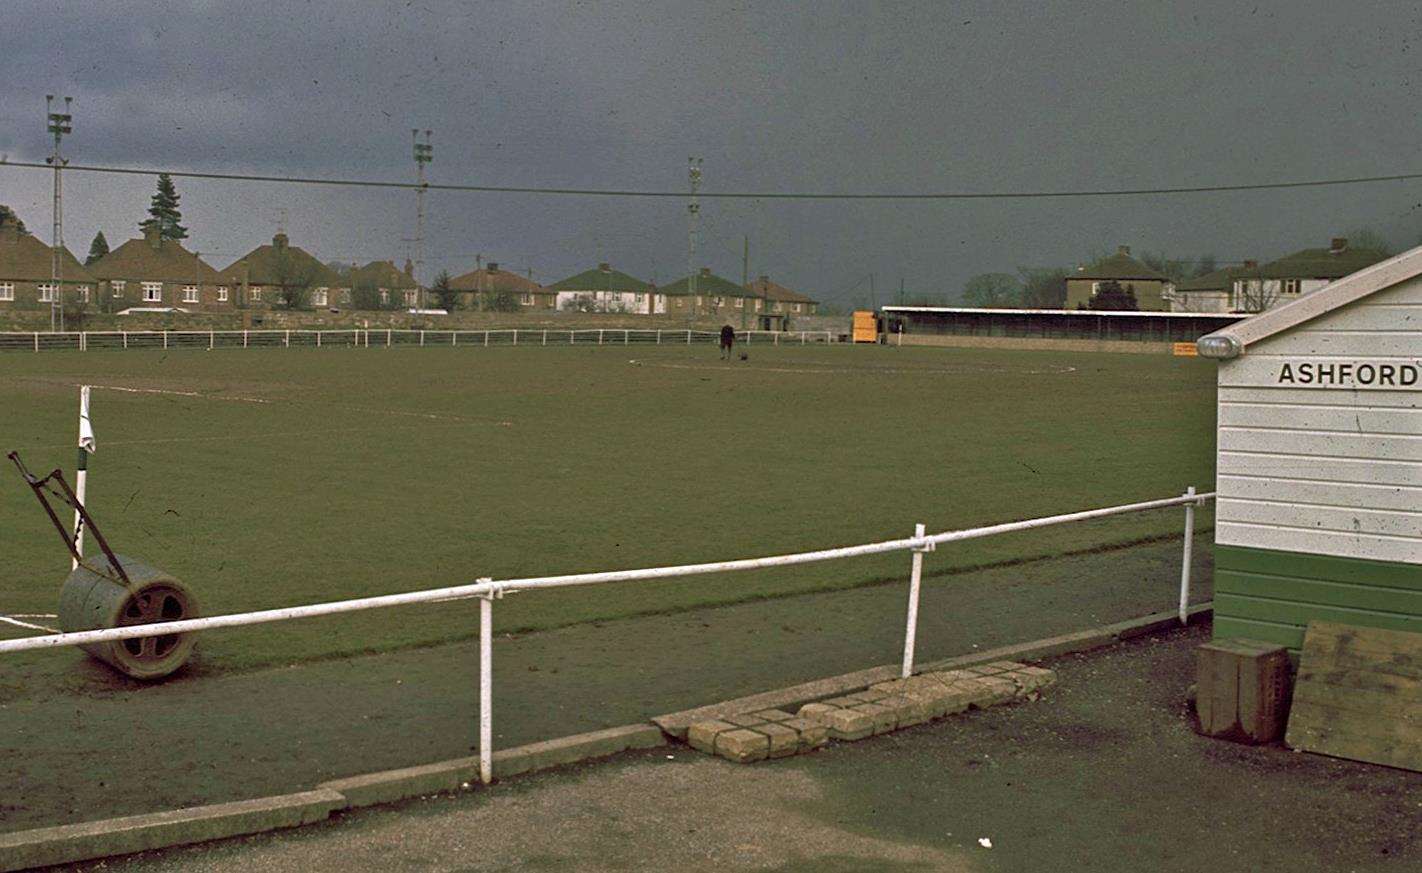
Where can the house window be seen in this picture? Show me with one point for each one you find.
(7, 290)
(318, 297)
(118, 285)
(757, 305)
(221, 293)
(740, 303)
(410, 298)
(526, 299)
(384, 297)
(1095, 287)
(720, 301)
(83, 293)
(1291, 286)
(46, 293)
(256, 294)
(152, 292)
(797, 307)
(190, 294)
(641, 298)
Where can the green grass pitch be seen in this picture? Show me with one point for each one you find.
(279, 477)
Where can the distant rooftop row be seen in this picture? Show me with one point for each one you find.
(152, 272)
(1249, 287)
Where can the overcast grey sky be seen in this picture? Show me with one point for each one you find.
(896, 97)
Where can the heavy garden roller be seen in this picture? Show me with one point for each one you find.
(115, 591)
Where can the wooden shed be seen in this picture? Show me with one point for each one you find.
(1319, 459)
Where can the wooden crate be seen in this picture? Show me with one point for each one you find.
(1359, 695)
(1243, 690)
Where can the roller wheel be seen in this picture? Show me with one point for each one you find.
(90, 601)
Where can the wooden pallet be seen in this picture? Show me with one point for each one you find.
(1358, 695)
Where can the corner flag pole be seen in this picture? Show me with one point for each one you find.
(81, 474)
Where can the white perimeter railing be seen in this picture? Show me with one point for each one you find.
(488, 590)
(358, 337)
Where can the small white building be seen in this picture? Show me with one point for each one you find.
(1319, 464)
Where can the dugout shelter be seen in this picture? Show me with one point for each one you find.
(1319, 459)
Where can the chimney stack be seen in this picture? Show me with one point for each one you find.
(493, 267)
(1251, 265)
(1338, 245)
(150, 236)
(279, 241)
(1123, 250)
(705, 271)
(605, 267)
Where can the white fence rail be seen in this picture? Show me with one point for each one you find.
(488, 590)
(39, 341)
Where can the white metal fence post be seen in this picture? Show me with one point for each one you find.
(387, 337)
(1185, 558)
(915, 578)
(486, 687)
(36, 341)
(486, 339)
(659, 336)
(545, 336)
(688, 336)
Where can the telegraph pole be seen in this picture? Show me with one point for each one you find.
(59, 125)
(745, 273)
(424, 153)
(693, 210)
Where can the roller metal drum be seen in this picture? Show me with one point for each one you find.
(94, 597)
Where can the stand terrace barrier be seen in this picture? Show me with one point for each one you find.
(359, 337)
(488, 590)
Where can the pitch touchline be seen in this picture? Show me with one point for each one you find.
(176, 393)
(12, 620)
(866, 371)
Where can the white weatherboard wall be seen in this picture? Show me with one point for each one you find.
(1320, 435)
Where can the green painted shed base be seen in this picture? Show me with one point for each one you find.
(1271, 595)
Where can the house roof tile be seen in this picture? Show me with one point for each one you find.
(600, 278)
(280, 263)
(24, 258)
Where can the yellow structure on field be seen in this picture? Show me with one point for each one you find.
(866, 329)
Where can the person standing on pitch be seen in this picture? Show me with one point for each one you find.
(728, 339)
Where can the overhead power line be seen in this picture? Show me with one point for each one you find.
(739, 195)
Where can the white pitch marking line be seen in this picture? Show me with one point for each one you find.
(868, 371)
(8, 620)
(178, 393)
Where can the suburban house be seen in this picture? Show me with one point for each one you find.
(1151, 287)
(26, 280)
(1212, 292)
(267, 274)
(153, 272)
(607, 290)
(1300, 273)
(714, 296)
(381, 284)
(776, 303)
(477, 287)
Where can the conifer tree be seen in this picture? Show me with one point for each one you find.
(8, 215)
(163, 212)
(97, 249)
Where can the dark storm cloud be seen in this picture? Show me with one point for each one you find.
(890, 97)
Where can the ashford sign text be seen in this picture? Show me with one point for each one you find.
(1350, 374)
